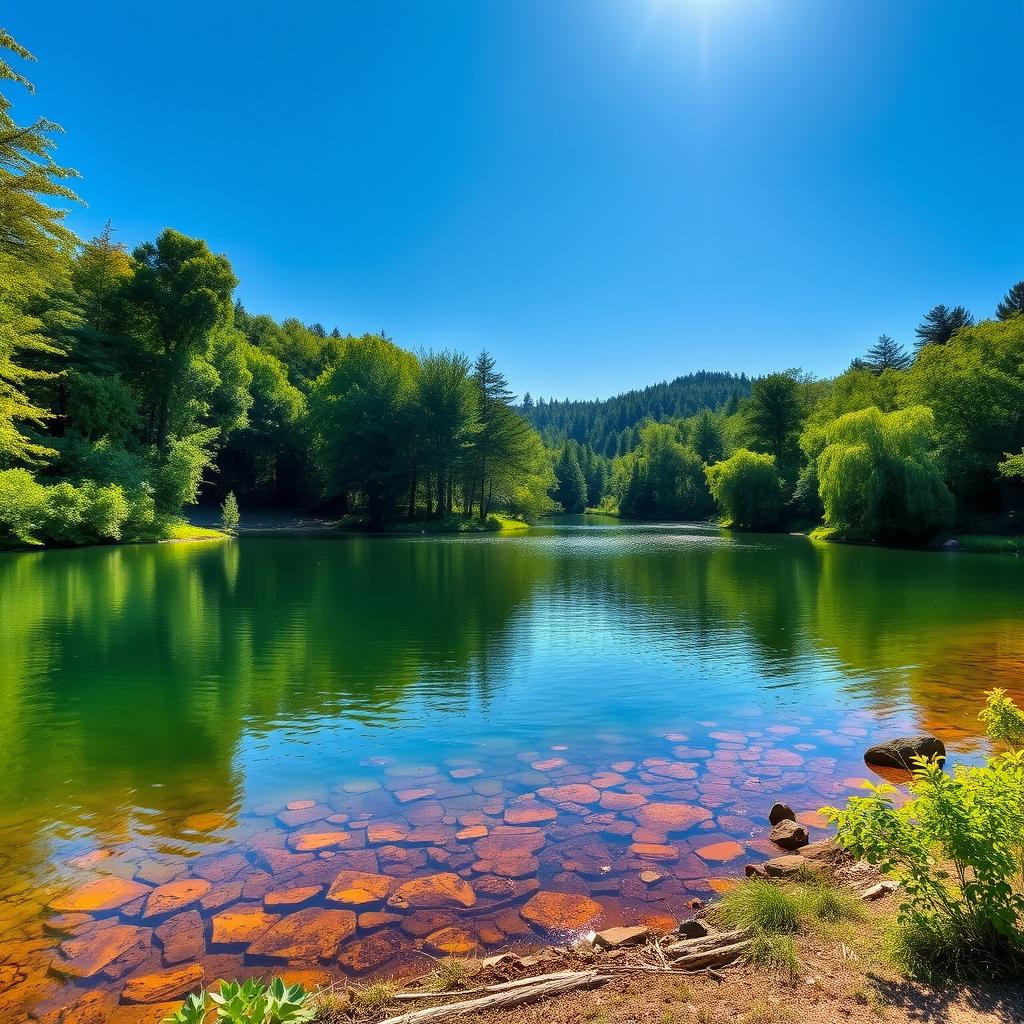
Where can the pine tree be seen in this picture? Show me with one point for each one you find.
(571, 490)
(886, 354)
(229, 516)
(34, 256)
(940, 323)
(1012, 303)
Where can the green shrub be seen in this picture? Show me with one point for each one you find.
(1003, 719)
(747, 489)
(958, 847)
(34, 513)
(251, 1002)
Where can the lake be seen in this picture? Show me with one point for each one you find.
(245, 754)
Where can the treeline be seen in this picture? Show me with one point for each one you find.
(899, 448)
(131, 381)
(611, 426)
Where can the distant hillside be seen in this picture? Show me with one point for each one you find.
(601, 423)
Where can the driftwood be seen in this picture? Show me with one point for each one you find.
(705, 942)
(500, 986)
(512, 994)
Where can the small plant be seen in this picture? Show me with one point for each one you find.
(830, 904)
(249, 1002)
(1003, 719)
(761, 905)
(958, 848)
(448, 974)
(229, 515)
(773, 952)
(376, 995)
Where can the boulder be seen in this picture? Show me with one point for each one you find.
(790, 835)
(781, 812)
(451, 941)
(883, 888)
(163, 985)
(900, 752)
(87, 955)
(305, 935)
(434, 892)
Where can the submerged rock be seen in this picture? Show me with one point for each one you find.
(900, 752)
(560, 911)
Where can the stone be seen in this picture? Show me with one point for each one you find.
(654, 851)
(434, 892)
(407, 796)
(616, 938)
(529, 813)
(240, 926)
(303, 816)
(720, 852)
(210, 821)
(883, 888)
(163, 985)
(472, 832)
(781, 812)
(900, 752)
(785, 867)
(790, 835)
(313, 842)
(181, 938)
(560, 911)
(512, 866)
(221, 896)
(370, 919)
(515, 843)
(102, 895)
(650, 877)
(221, 869)
(579, 793)
(622, 801)
(174, 896)
(289, 899)
(386, 834)
(357, 888)
(665, 817)
(66, 924)
(305, 935)
(451, 941)
(693, 929)
(549, 765)
(370, 952)
(86, 955)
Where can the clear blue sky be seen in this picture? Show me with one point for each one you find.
(605, 193)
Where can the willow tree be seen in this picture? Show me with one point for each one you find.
(747, 489)
(879, 478)
(35, 250)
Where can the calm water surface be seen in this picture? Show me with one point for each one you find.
(160, 708)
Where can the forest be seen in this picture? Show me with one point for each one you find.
(134, 384)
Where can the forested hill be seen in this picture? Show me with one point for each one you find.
(601, 423)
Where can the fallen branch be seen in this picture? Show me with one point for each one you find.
(500, 986)
(541, 988)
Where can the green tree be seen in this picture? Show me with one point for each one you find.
(571, 489)
(886, 354)
(666, 479)
(707, 436)
(878, 477)
(362, 418)
(1012, 303)
(229, 515)
(447, 421)
(179, 294)
(974, 384)
(34, 256)
(940, 323)
(774, 417)
(747, 489)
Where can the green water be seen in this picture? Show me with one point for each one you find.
(140, 686)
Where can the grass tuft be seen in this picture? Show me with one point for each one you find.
(376, 995)
(448, 974)
(761, 905)
(830, 904)
(773, 952)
